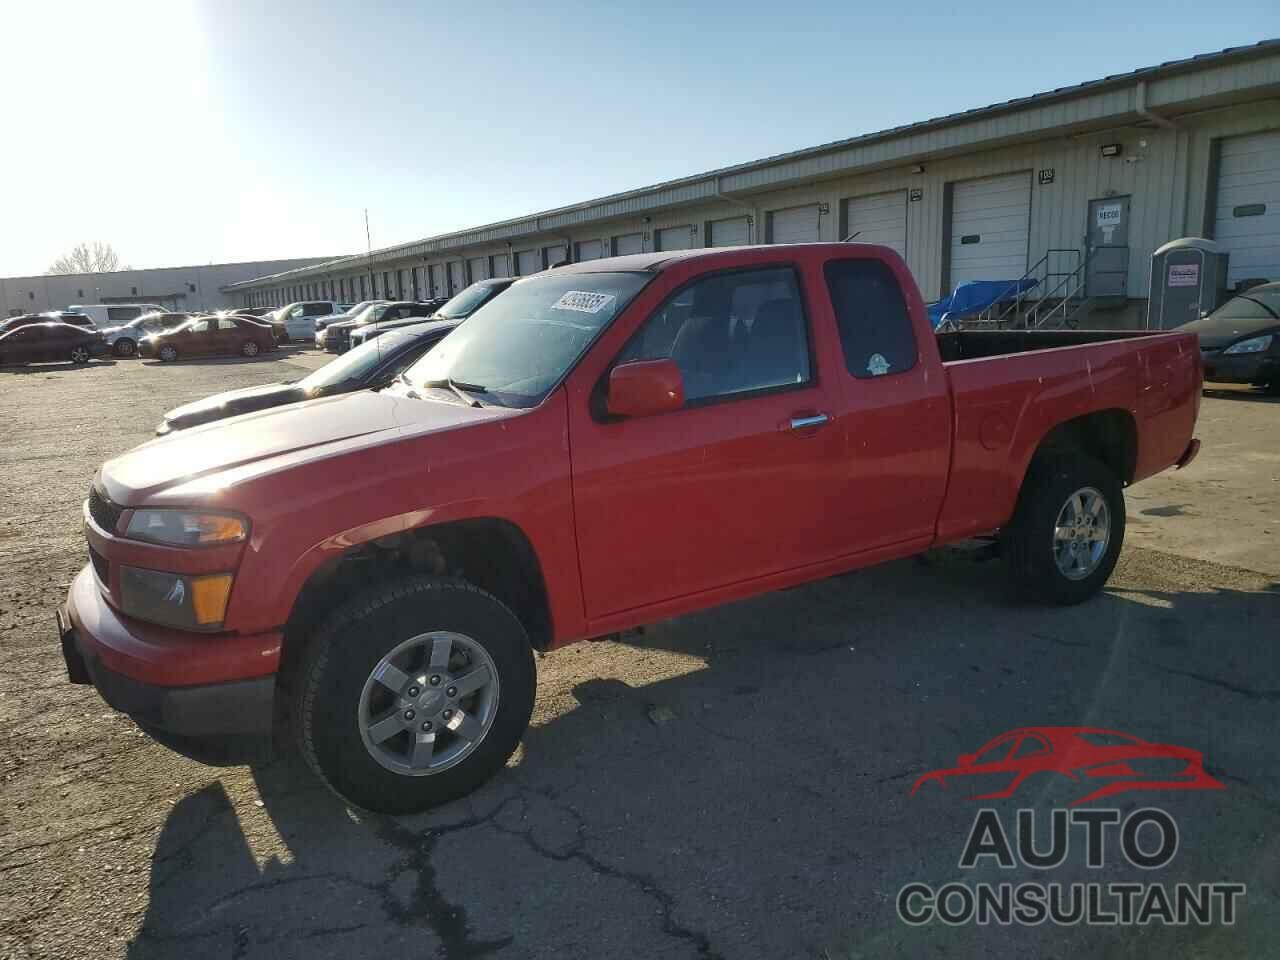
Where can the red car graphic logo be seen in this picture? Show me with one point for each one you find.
(1117, 762)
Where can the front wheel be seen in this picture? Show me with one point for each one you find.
(124, 347)
(79, 355)
(414, 694)
(250, 348)
(1066, 533)
(168, 353)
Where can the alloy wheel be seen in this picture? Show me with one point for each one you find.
(428, 703)
(1082, 533)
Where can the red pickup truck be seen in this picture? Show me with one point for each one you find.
(607, 444)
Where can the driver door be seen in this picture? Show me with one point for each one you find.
(733, 486)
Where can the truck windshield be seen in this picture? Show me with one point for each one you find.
(517, 347)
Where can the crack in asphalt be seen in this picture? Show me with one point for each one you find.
(1267, 696)
(447, 920)
(645, 883)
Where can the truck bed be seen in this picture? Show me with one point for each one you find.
(976, 344)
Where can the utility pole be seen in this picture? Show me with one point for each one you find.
(368, 246)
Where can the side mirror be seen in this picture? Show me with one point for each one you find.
(643, 388)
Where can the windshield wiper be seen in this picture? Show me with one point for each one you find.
(461, 388)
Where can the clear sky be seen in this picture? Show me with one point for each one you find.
(192, 132)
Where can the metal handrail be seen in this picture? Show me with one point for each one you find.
(1015, 306)
(1079, 275)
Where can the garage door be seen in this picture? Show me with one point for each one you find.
(1247, 215)
(797, 225)
(501, 265)
(879, 218)
(588, 250)
(527, 262)
(733, 232)
(628, 243)
(477, 269)
(556, 254)
(456, 282)
(990, 227)
(674, 238)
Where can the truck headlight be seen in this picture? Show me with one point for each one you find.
(186, 528)
(1254, 345)
(186, 601)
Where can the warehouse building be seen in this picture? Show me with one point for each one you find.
(177, 288)
(1075, 187)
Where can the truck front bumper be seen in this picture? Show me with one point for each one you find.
(139, 669)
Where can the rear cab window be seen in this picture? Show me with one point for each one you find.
(871, 313)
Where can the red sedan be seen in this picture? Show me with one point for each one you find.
(209, 336)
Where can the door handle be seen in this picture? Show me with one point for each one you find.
(809, 421)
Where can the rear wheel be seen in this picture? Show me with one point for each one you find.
(414, 694)
(79, 355)
(250, 348)
(168, 352)
(124, 347)
(1066, 533)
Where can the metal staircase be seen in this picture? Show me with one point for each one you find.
(1057, 297)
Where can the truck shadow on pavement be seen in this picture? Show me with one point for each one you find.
(738, 784)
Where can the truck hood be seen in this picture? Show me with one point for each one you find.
(274, 438)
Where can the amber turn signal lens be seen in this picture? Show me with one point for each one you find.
(209, 598)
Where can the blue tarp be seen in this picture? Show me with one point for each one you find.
(975, 296)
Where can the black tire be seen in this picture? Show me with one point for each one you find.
(1272, 389)
(1028, 542)
(167, 353)
(79, 356)
(339, 660)
(250, 348)
(124, 347)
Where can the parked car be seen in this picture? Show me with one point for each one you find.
(50, 316)
(336, 337)
(431, 310)
(742, 420)
(106, 315)
(299, 319)
(36, 342)
(209, 336)
(349, 314)
(1240, 341)
(124, 339)
(457, 307)
(358, 369)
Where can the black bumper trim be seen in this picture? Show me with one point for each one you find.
(218, 723)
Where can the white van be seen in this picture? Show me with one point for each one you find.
(107, 315)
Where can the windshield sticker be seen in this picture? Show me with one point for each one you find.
(582, 301)
(877, 366)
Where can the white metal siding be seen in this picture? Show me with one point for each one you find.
(433, 273)
(455, 277)
(797, 225)
(1249, 179)
(674, 238)
(733, 232)
(527, 262)
(879, 218)
(478, 268)
(588, 250)
(997, 211)
(501, 266)
(628, 243)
